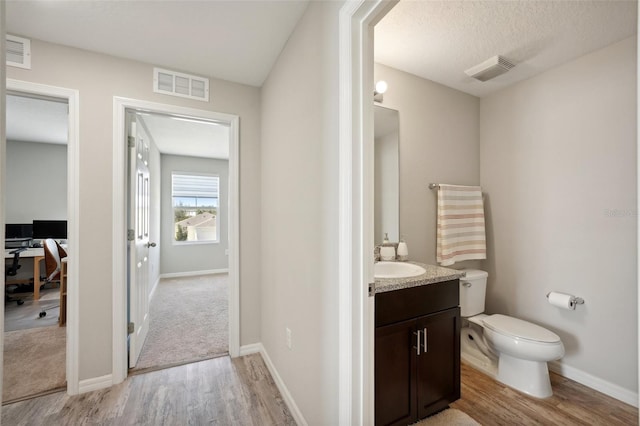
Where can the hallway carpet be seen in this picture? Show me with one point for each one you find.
(189, 321)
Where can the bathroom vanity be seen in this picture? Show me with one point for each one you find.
(417, 345)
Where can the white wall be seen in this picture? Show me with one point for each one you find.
(299, 213)
(177, 258)
(439, 143)
(36, 182)
(558, 162)
(99, 78)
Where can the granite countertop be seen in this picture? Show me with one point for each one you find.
(434, 274)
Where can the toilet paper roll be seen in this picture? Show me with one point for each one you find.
(561, 300)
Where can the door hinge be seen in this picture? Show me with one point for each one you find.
(131, 141)
(131, 234)
(372, 289)
(130, 328)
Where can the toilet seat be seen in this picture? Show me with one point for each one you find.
(519, 329)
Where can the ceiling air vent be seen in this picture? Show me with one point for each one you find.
(490, 68)
(18, 52)
(179, 84)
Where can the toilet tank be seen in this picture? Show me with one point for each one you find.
(473, 287)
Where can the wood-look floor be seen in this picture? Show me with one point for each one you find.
(492, 403)
(223, 391)
(220, 391)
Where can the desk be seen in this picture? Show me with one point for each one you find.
(37, 254)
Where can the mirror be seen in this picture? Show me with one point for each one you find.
(387, 174)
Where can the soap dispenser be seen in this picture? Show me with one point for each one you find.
(403, 251)
(388, 250)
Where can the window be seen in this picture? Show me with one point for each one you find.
(195, 200)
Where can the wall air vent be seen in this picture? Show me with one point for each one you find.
(180, 84)
(18, 52)
(490, 68)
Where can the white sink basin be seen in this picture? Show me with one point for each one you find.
(396, 270)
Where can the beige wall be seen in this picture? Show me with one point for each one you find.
(99, 78)
(558, 162)
(299, 213)
(439, 142)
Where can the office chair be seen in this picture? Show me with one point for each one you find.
(53, 254)
(11, 271)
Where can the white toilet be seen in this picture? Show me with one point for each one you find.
(513, 351)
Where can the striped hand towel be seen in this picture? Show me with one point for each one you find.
(461, 234)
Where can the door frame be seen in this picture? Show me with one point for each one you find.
(119, 236)
(355, 210)
(72, 97)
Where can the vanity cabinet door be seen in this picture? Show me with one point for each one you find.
(395, 378)
(438, 366)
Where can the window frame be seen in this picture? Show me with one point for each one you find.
(218, 210)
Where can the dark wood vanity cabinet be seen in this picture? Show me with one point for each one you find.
(417, 352)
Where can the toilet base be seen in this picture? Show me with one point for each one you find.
(530, 377)
(472, 355)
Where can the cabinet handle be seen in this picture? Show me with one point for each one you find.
(417, 348)
(424, 330)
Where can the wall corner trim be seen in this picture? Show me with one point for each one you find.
(95, 383)
(618, 392)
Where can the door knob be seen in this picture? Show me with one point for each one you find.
(151, 245)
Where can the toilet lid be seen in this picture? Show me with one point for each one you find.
(520, 329)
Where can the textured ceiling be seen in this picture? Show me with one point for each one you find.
(31, 119)
(231, 40)
(439, 40)
(194, 138)
(36, 120)
(240, 41)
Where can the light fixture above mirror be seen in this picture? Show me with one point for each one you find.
(381, 87)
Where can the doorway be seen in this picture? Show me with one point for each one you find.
(178, 211)
(34, 318)
(122, 300)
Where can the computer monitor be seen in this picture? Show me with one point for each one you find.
(18, 230)
(56, 229)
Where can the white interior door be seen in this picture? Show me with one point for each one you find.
(138, 236)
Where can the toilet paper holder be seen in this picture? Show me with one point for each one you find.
(574, 300)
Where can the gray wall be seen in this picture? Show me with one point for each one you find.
(439, 142)
(558, 161)
(177, 258)
(99, 78)
(299, 213)
(36, 182)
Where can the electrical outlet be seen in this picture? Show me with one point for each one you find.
(288, 338)
(226, 252)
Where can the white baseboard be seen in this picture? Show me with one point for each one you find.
(607, 388)
(153, 289)
(253, 348)
(95, 383)
(286, 395)
(194, 273)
